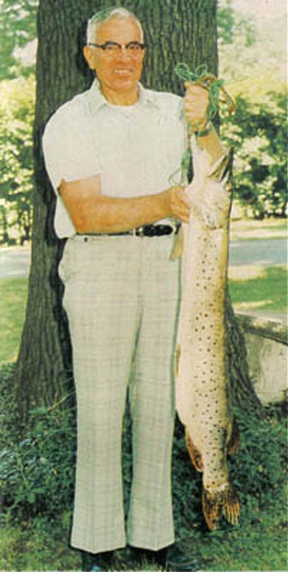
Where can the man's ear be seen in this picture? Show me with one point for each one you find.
(89, 56)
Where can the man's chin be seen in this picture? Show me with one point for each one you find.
(124, 83)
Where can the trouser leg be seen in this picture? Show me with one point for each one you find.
(150, 522)
(101, 303)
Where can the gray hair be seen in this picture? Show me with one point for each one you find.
(103, 16)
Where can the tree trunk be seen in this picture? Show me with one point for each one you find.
(175, 31)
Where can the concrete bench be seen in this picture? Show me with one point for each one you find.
(266, 342)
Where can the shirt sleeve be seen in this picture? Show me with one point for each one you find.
(69, 150)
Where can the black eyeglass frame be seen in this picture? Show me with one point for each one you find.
(110, 43)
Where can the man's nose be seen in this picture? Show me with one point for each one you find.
(123, 53)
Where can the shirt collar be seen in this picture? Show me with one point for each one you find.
(97, 100)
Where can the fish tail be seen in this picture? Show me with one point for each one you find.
(231, 508)
(223, 501)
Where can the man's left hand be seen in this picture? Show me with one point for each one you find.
(195, 106)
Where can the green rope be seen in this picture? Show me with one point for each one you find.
(183, 171)
(201, 72)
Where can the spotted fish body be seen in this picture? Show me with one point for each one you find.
(202, 392)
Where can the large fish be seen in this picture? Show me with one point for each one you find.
(202, 386)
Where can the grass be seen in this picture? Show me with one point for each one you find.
(258, 544)
(40, 546)
(251, 288)
(37, 546)
(12, 313)
(259, 287)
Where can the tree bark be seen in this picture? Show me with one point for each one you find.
(175, 31)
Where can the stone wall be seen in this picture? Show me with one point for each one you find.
(266, 342)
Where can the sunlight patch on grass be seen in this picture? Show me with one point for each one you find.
(246, 272)
(12, 314)
(258, 229)
(255, 305)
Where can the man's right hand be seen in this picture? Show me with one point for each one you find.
(179, 202)
(92, 212)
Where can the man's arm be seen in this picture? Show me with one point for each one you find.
(91, 212)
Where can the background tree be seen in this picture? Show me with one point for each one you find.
(258, 133)
(16, 158)
(258, 130)
(17, 29)
(173, 33)
(260, 194)
(231, 24)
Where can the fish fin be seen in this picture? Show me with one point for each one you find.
(210, 510)
(178, 244)
(231, 509)
(223, 168)
(234, 441)
(225, 501)
(194, 453)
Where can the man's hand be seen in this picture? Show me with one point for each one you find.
(195, 106)
(179, 202)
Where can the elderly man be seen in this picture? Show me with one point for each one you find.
(109, 153)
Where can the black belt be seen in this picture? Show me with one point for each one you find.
(149, 230)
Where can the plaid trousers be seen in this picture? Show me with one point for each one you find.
(122, 300)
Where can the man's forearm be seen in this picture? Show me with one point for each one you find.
(212, 144)
(120, 214)
(91, 212)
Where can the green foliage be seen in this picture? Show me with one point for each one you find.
(232, 24)
(17, 28)
(260, 471)
(16, 157)
(257, 131)
(37, 470)
(38, 545)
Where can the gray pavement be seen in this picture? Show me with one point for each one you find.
(264, 252)
(15, 261)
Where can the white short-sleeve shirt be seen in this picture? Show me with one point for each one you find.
(135, 149)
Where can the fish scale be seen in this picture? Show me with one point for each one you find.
(202, 383)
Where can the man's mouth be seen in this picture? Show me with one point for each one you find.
(122, 71)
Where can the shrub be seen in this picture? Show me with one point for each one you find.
(257, 131)
(16, 158)
(37, 471)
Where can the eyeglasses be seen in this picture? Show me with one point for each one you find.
(110, 48)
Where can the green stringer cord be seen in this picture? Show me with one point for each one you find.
(202, 76)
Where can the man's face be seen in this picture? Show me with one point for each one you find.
(119, 72)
